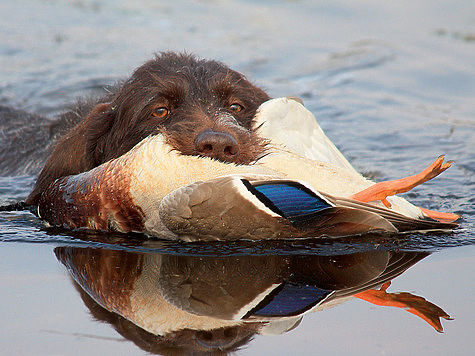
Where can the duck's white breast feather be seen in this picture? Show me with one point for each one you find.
(291, 127)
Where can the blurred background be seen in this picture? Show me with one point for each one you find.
(360, 66)
(391, 83)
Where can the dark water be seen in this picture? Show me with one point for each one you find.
(392, 84)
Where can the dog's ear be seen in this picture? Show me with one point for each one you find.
(72, 153)
(98, 129)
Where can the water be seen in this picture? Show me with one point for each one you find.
(392, 84)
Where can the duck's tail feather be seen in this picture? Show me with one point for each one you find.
(401, 222)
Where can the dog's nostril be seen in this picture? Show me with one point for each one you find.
(216, 144)
(230, 150)
(207, 148)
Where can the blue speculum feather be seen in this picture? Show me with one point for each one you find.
(292, 200)
(290, 299)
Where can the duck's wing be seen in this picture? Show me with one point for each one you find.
(288, 124)
(236, 207)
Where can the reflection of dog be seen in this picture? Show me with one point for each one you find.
(202, 107)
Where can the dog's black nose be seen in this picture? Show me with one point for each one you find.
(216, 144)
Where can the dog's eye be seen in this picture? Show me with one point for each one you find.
(235, 107)
(160, 112)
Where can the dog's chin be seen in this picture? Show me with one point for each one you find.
(239, 160)
(246, 158)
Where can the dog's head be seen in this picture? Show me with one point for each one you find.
(201, 107)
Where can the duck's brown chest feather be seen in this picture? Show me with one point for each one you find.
(97, 199)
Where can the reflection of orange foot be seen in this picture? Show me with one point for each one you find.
(429, 312)
(380, 191)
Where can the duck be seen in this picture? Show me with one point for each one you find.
(303, 187)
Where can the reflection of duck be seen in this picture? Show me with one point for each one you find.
(163, 193)
(216, 302)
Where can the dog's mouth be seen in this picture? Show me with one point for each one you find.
(241, 149)
(219, 145)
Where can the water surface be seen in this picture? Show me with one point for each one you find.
(391, 84)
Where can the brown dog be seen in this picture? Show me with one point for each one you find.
(202, 108)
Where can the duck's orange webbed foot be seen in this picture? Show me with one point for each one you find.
(382, 190)
(414, 304)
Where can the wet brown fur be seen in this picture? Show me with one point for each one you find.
(198, 94)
